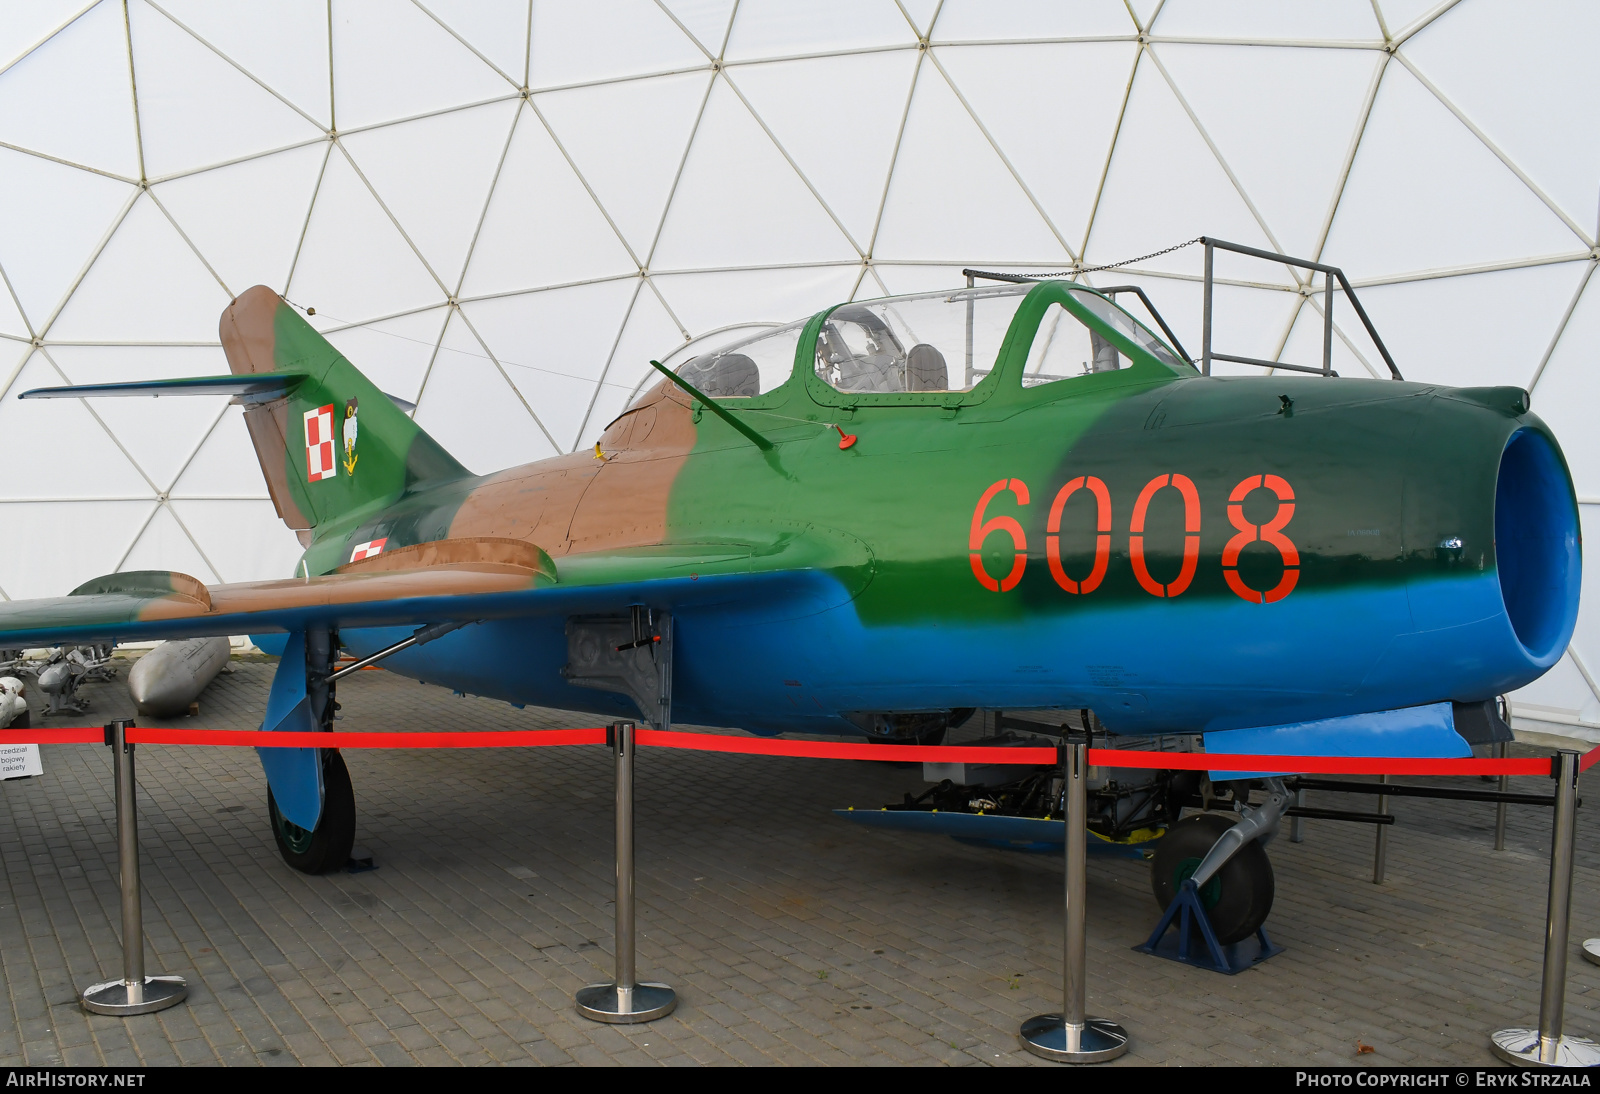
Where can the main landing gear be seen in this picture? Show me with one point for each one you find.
(326, 847)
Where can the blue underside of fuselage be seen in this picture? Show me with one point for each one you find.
(1169, 666)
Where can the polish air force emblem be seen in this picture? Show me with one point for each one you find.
(319, 444)
(350, 437)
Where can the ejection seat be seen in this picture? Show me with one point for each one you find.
(925, 369)
(723, 375)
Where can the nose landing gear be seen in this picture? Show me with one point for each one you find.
(1237, 898)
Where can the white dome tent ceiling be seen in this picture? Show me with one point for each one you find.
(500, 209)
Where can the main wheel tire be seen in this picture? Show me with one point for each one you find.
(1238, 897)
(327, 846)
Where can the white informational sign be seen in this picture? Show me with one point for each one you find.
(20, 761)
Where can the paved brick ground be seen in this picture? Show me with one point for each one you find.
(791, 936)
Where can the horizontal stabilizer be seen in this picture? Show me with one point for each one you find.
(259, 387)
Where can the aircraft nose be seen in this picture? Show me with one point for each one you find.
(1491, 524)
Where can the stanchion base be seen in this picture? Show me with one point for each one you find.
(112, 997)
(599, 1003)
(1591, 950)
(1521, 1046)
(1046, 1035)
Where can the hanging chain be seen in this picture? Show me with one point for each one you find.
(1096, 269)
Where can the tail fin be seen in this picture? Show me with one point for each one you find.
(333, 443)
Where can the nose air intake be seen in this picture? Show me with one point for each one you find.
(1537, 544)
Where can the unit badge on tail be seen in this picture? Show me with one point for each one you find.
(320, 462)
(350, 437)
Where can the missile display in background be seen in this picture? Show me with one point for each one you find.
(165, 681)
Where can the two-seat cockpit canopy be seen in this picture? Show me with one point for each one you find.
(938, 342)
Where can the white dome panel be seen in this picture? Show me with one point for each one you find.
(39, 431)
(1337, 20)
(1562, 392)
(469, 406)
(739, 202)
(284, 44)
(247, 218)
(495, 29)
(68, 542)
(638, 36)
(776, 28)
(394, 61)
(542, 226)
(628, 141)
(1027, 20)
(28, 23)
(1164, 182)
(1288, 151)
(554, 363)
(951, 191)
(354, 264)
(434, 174)
(1059, 154)
(1480, 329)
(1506, 65)
(158, 435)
(119, 300)
(224, 466)
(163, 544)
(195, 108)
(242, 539)
(1419, 189)
(73, 96)
(839, 119)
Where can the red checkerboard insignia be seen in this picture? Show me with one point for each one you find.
(320, 462)
(368, 549)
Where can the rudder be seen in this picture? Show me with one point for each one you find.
(335, 443)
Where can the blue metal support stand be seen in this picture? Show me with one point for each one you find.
(1189, 914)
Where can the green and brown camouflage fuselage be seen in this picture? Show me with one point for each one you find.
(1177, 552)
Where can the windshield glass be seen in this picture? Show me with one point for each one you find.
(1063, 347)
(945, 341)
(1125, 325)
(753, 365)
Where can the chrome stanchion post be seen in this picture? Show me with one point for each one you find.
(1070, 1037)
(625, 1001)
(1547, 1045)
(1297, 825)
(135, 993)
(1380, 849)
(1500, 809)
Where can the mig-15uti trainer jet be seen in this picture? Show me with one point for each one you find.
(871, 521)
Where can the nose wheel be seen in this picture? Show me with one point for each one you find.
(1238, 897)
(327, 846)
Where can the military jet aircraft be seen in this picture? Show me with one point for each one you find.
(876, 519)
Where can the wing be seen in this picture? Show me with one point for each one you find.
(448, 581)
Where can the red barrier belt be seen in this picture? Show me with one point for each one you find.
(843, 750)
(824, 750)
(531, 738)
